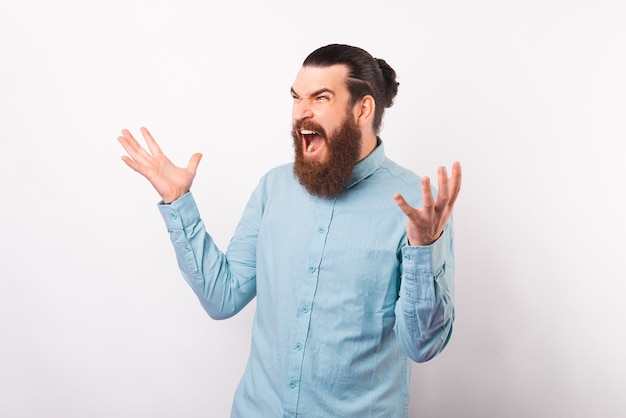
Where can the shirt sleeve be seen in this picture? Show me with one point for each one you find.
(223, 283)
(425, 307)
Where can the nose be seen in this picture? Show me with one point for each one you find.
(301, 110)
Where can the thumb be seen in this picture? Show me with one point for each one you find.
(193, 163)
(402, 204)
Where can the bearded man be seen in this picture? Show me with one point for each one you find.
(352, 282)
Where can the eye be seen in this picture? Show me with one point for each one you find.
(322, 98)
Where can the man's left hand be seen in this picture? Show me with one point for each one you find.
(426, 224)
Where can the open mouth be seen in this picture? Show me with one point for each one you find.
(312, 140)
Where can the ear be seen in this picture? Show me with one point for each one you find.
(364, 111)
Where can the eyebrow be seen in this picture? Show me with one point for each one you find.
(315, 93)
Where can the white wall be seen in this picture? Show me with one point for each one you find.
(96, 321)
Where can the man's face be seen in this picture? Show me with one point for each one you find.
(327, 139)
(320, 100)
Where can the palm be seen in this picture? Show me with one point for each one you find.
(426, 224)
(169, 180)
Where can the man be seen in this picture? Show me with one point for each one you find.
(351, 281)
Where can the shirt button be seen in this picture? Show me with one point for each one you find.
(305, 309)
(298, 346)
(321, 229)
(407, 257)
(292, 384)
(173, 215)
(312, 269)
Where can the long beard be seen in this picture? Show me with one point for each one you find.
(330, 178)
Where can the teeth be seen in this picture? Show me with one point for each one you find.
(310, 147)
(307, 132)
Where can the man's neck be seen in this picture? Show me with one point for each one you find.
(368, 144)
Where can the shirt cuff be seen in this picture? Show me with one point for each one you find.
(181, 213)
(428, 259)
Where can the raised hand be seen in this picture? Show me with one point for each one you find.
(426, 224)
(170, 181)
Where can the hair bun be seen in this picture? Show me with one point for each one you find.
(389, 75)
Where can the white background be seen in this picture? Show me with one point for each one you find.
(95, 319)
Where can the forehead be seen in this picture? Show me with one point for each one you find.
(312, 79)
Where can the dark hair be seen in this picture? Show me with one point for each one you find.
(367, 75)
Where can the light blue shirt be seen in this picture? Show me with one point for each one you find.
(342, 303)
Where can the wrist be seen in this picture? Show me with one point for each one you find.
(423, 242)
(170, 198)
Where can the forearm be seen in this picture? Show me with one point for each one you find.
(425, 307)
(223, 287)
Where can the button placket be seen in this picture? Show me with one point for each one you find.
(305, 299)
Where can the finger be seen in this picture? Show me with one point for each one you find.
(457, 173)
(130, 139)
(131, 146)
(403, 205)
(152, 145)
(128, 135)
(442, 175)
(127, 140)
(443, 194)
(427, 194)
(455, 181)
(193, 163)
(131, 163)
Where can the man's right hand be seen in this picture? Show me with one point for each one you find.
(170, 181)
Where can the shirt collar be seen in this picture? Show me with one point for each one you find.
(368, 165)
